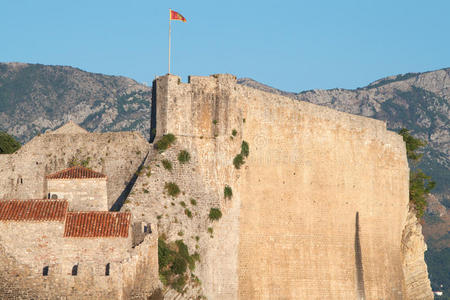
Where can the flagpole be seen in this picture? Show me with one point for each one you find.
(170, 11)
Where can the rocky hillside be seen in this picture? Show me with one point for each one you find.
(34, 98)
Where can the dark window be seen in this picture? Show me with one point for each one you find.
(54, 196)
(75, 270)
(107, 269)
(21, 181)
(45, 271)
(48, 196)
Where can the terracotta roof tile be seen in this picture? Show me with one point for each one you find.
(33, 210)
(77, 172)
(97, 224)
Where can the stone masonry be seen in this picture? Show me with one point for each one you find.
(319, 209)
(70, 246)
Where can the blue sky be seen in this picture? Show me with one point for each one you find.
(291, 45)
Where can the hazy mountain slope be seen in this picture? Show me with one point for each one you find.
(34, 98)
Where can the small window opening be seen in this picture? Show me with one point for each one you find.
(75, 270)
(48, 196)
(107, 269)
(45, 271)
(54, 196)
(21, 181)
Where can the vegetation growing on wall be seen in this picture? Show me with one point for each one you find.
(8, 144)
(420, 184)
(165, 142)
(215, 214)
(245, 149)
(172, 189)
(238, 161)
(74, 161)
(227, 192)
(174, 260)
(167, 164)
(184, 156)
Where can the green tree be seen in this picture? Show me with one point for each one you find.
(8, 144)
(420, 184)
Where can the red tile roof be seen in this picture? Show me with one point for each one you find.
(77, 172)
(97, 224)
(33, 210)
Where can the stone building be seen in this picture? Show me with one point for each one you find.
(84, 188)
(70, 246)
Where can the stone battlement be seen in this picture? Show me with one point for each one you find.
(208, 106)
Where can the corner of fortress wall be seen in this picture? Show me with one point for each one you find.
(315, 181)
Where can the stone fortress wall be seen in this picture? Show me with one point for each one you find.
(320, 208)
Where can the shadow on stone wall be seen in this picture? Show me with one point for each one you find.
(153, 114)
(124, 195)
(358, 262)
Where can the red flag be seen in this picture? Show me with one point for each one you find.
(176, 16)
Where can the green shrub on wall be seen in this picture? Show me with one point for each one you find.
(238, 161)
(167, 164)
(227, 192)
(215, 214)
(245, 149)
(184, 156)
(174, 260)
(165, 142)
(172, 189)
(420, 184)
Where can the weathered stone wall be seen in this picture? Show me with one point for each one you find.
(291, 229)
(117, 155)
(414, 267)
(82, 194)
(27, 247)
(39, 244)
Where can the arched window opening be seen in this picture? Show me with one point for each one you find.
(107, 269)
(54, 196)
(45, 271)
(75, 270)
